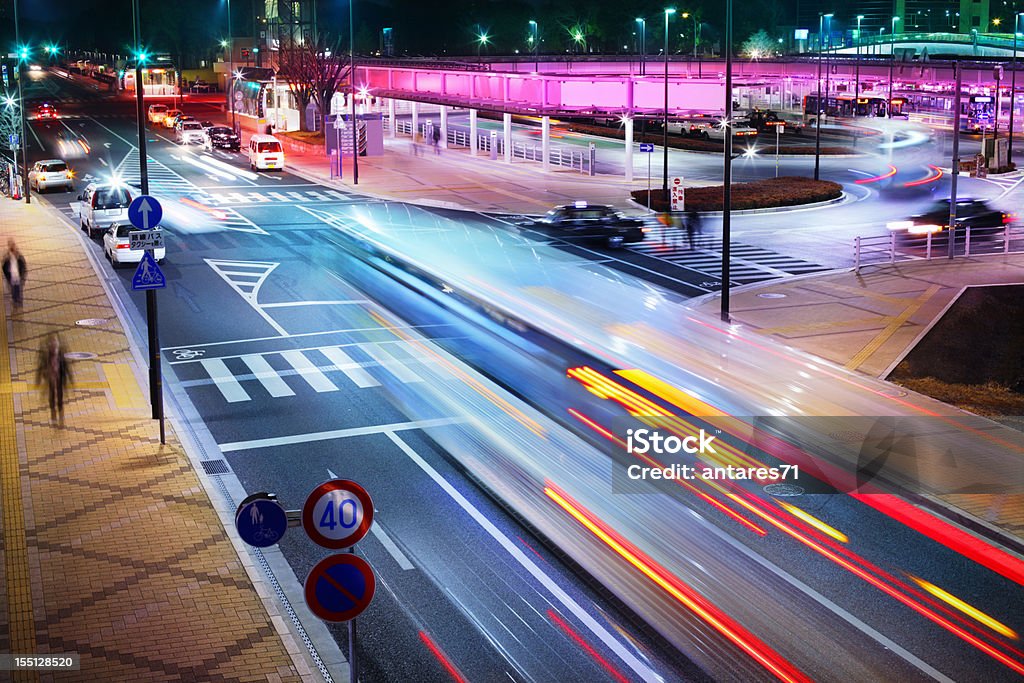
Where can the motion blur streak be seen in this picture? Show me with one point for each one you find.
(814, 521)
(501, 403)
(443, 658)
(571, 632)
(932, 176)
(722, 507)
(887, 589)
(967, 609)
(874, 179)
(216, 213)
(692, 405)
(686, 596)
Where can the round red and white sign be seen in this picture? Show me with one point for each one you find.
(337, 514)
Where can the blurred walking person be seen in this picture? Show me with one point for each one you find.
(15, 270)
(694, 228)
(55, 371)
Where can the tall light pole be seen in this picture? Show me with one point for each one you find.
(727, 169)
(819, 102)
(696, 29)
(231, 71)
(669, 11)
(828, 58)
(892, 62)
(481, 40)
(355, 150)
(536, 44)
(856, 85)
(643, 42)
(1013, 84)
(22, 56)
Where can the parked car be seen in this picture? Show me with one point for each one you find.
(221, 137)
(50, 173)
(200, 85)
(265, 152)
(206, 124)
(116, 246)
(102, 205)
(171, 116)
(178, 121)
(157, 113)
(711, 128)
(983, 219)
(591, 221)
(190, 132)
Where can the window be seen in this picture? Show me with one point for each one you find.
(54, 167)
(111, 198)
(268, 147)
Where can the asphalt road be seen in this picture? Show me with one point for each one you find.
(271, 329)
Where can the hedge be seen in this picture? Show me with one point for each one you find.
(760, 194)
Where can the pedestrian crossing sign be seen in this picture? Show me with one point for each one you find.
(148, 274)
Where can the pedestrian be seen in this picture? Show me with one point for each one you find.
(693, 227)
(55, 371)
(437, 139)
(15, 272)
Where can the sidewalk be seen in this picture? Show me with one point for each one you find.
(111, 547)
(868, 321)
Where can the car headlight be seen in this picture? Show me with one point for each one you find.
(924, 228)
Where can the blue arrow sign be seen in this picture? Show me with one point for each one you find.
(646, 146)
(148, 275)
(261, 522)
(145, 212)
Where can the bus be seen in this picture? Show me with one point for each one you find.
(844, 105)
(977, 112)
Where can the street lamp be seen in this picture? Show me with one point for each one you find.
(892, 62)
(643, 42)
(696, 29)
(669, 11)
(1013, 84)
(856, 85)
(481, 39)
(535, 38)
(22, 56)
(230, 47)
(821, 101)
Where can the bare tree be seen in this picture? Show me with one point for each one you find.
(314, 70)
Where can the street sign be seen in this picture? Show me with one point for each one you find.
(260, 520)
(677, 194)
(646, 146)
(337, 514)
(14, 140)
(145, 212)
(148, 274)
(340, 587)
(781, 129)
(146, 239)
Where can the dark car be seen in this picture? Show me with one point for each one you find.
(221, 137)
(983, 219)
(591, 221)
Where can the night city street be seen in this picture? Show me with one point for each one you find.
(469, 342)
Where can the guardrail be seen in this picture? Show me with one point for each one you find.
(968, 241)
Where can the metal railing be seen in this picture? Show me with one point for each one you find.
(968, 241)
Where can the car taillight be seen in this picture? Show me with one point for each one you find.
(1008, 218)
(122, 245)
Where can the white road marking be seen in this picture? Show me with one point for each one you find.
(353, 370)
(390, 362)
(267, 376)
(309, 372)
(333, 434)
(641, 669)
(225, 381)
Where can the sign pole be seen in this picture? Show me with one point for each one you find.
(649, 181)
(353, 664)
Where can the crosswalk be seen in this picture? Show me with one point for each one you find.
(165, 183)
(748, 263)
(275, 197)
(322, 369)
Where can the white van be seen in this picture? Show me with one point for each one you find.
(265, 152)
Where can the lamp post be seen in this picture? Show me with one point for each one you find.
(1013, 84)
(536, 44)
(892, 62)
(828, 58)
(22, 56)
(856, 85)
(643, 43)
(727, 171)
(819, 103)
(696, 29)
(669, 11)
(355, 175)
(230, 47)
(481, 40)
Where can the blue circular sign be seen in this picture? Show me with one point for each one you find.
(145, 212)
(340, 587)
(261, 521)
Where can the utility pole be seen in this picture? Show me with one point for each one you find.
(664, 122)
(818, 106)
(352, 80)
(727, 167)
(21, 106)
(956, 157)
(1013, 85)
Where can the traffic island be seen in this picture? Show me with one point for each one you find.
(760, 194)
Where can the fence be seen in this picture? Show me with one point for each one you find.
(578, 160)
(968, 241)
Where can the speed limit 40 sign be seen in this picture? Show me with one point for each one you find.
(337, 514)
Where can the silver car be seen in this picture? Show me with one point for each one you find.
(50, 173)
(102, 205)
(190, 133)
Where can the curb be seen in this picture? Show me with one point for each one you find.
(772, 209)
